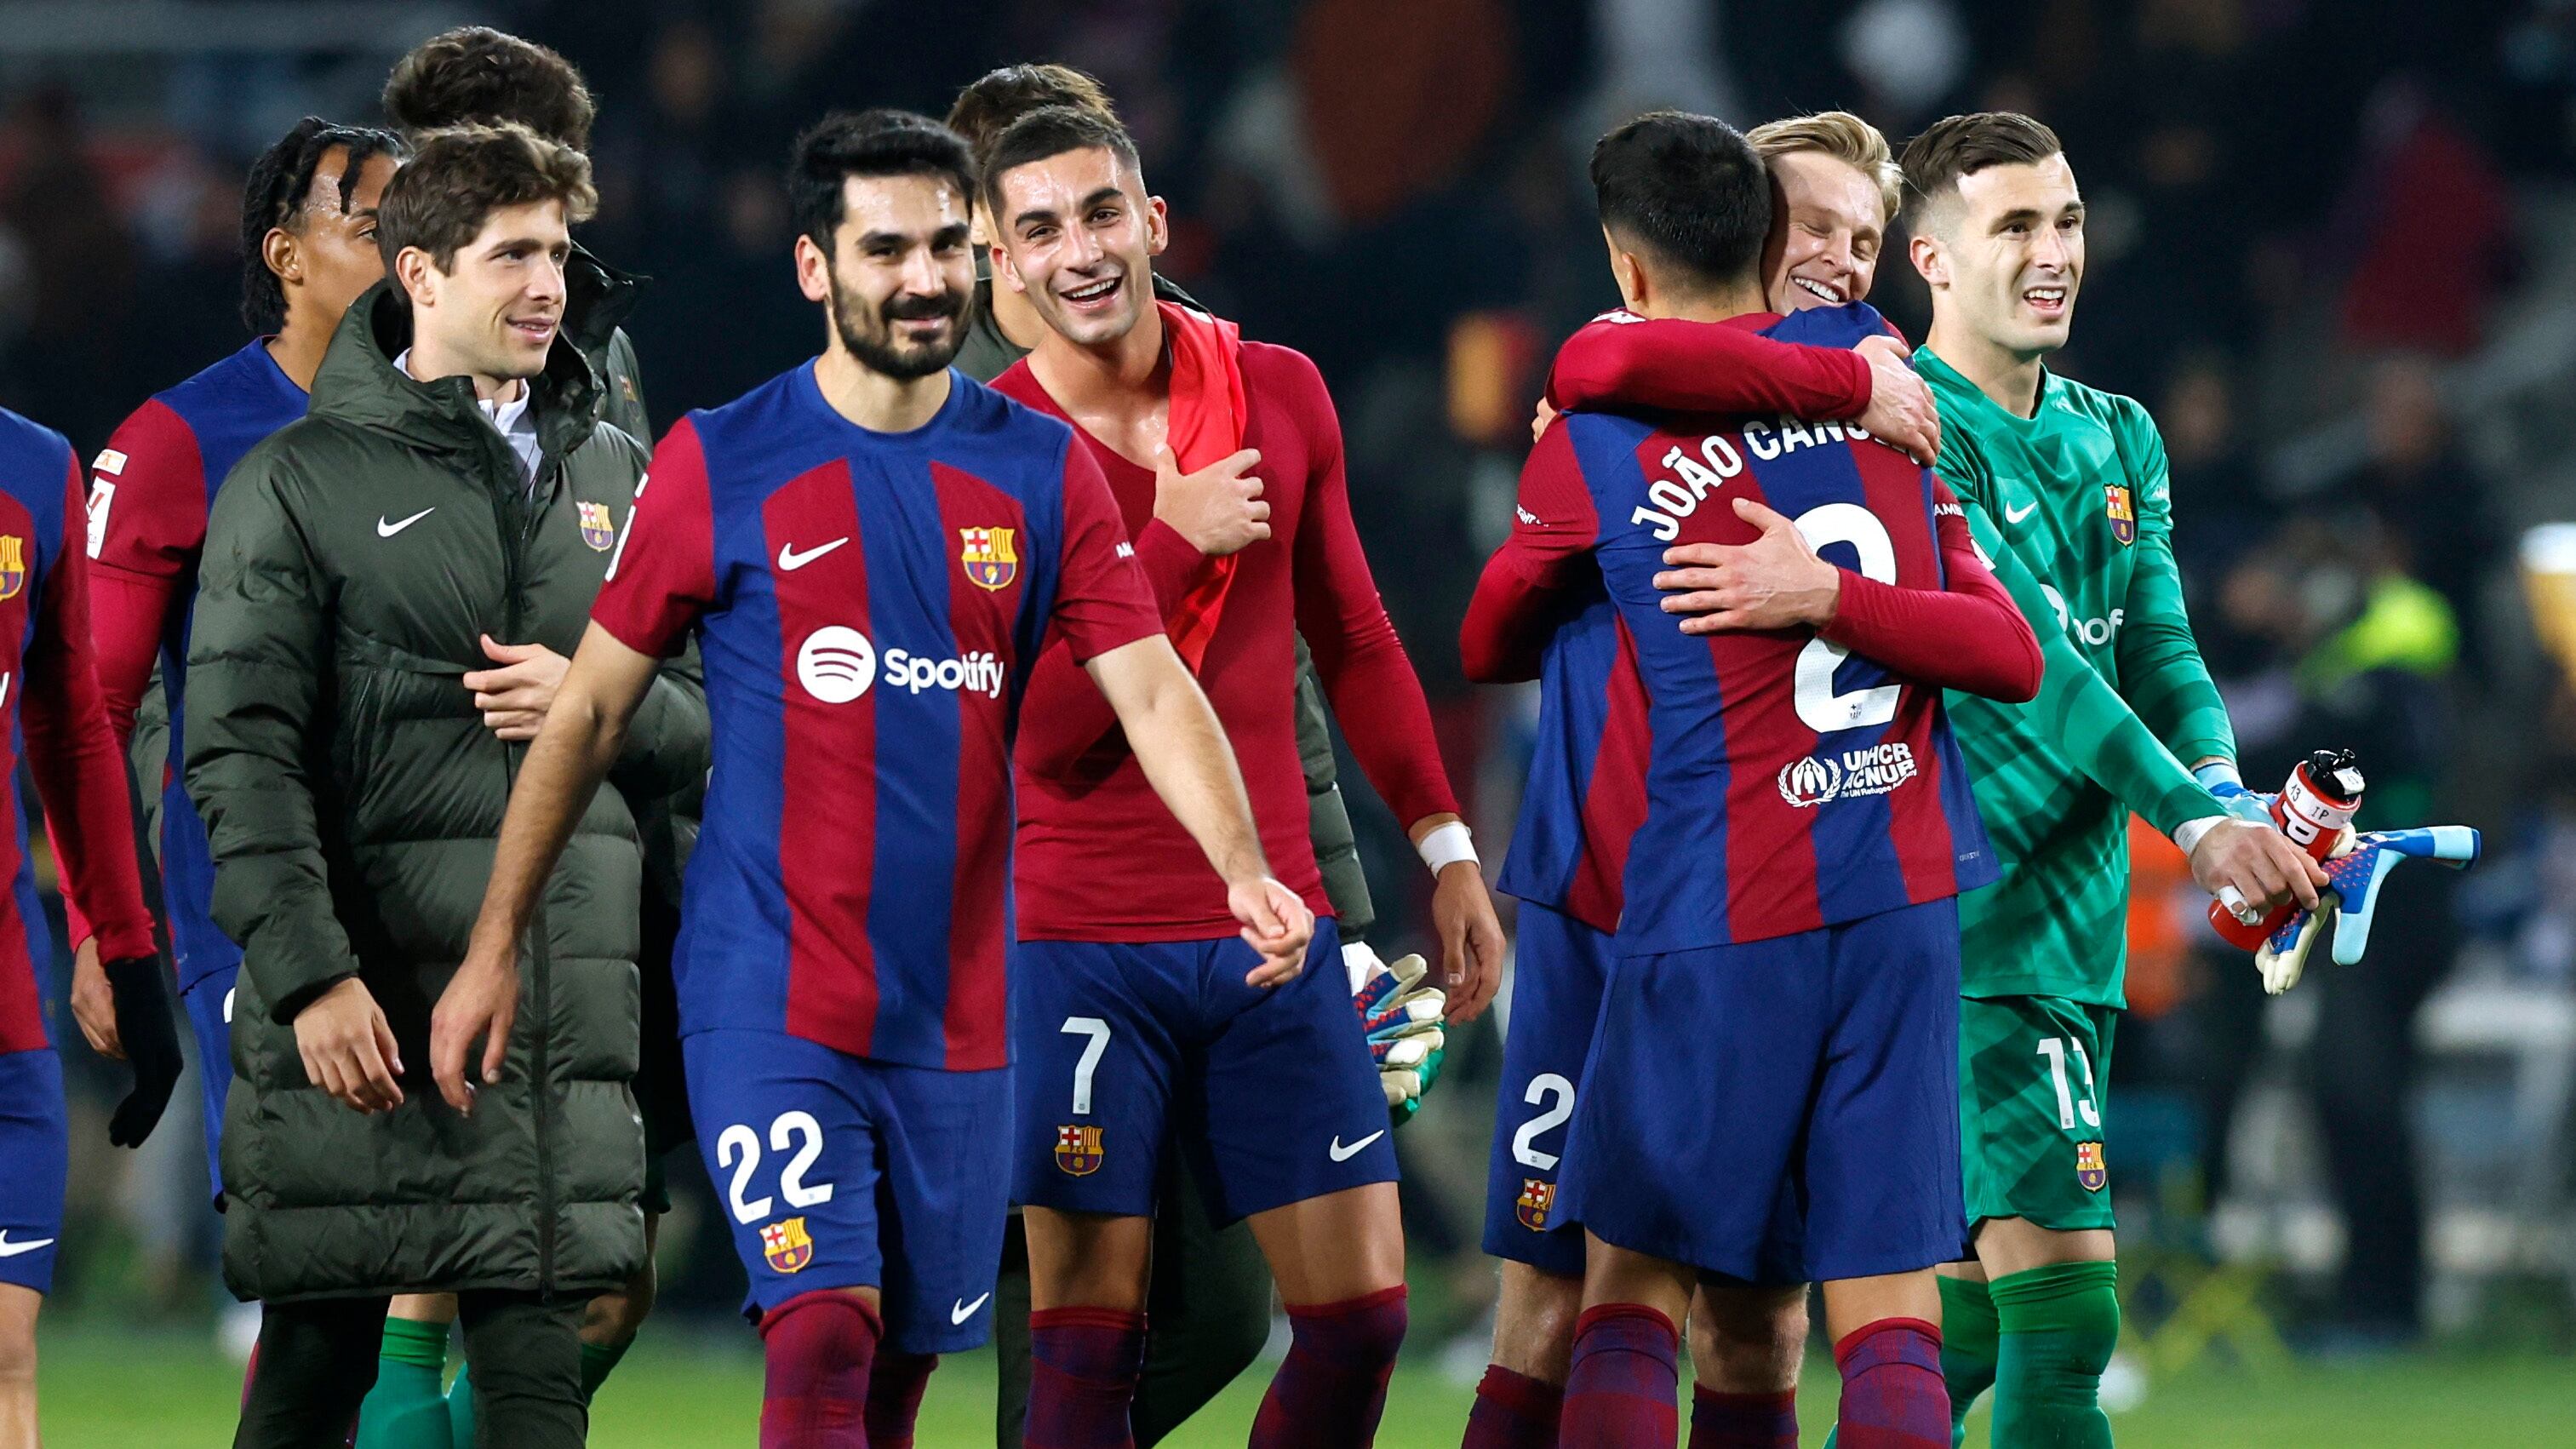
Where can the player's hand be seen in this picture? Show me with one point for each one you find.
(481, 1000)
(1900, 411)
(93, 1005)
(348, 1048)
(1218, 509)
(514, 698)
(1276, 924)
(140, 992)
(1400, 1018)
(1539, 420)
(1774, 582)
(1471, 939)
(2259, 863)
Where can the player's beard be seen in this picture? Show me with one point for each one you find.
(880, 352)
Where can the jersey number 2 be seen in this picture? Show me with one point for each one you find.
(1820, 708)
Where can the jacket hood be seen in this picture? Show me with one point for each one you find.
(358, 383)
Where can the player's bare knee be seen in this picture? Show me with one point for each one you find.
(1534, 1322)
(1747, 1339)
(17, 1345)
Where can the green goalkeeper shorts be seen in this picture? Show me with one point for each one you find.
(2032, 1077)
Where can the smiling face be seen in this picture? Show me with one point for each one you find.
(495, 311)
(900, 275)
(1078, 237)
(1827, 242)
(2005, 255)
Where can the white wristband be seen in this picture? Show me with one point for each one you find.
(1446, 846)
(2188, 834)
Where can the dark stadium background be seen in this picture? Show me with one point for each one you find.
(2331, 246)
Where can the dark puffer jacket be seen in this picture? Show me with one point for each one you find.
(353, 793)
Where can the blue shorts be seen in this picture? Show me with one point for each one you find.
(1269, 1095)
(839, 1172)
(36, 1146)
(1558, 966)
(209, 1005)
(1814, 1074)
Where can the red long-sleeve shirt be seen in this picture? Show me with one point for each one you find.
(1086, 814)
(1624, 360)
(70, 751)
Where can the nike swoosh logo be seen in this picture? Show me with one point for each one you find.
(388, 530)
(790, 560)
(964, 1310)
(2016, 515)
(1345, 1154)
(10, 1250)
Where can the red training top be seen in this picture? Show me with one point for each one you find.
(1087, 815)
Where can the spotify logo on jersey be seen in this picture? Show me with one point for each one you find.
(836, 664)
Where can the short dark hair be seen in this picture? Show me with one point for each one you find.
(474, 74)
(987, 108)
(880, 142)
(459, 176)
(1957, 146)
(1690, 190)
(279, 188)
(1052, 131)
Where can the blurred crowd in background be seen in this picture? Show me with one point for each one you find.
(2330, 246)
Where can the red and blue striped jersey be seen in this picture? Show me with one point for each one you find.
(867, 606)
(1786, 784)
(51, 720)
(151, 489)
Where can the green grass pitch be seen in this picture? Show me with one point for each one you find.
(106, 1390)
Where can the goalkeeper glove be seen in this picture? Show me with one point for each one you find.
(142, 993)
(2351, 897)
(1400, 1016)
(2220, 779)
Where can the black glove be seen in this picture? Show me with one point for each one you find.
(143, 1025)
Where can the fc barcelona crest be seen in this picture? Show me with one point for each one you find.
(13, 565)
(2089, 1168)
(786, 1245)
(596, 528)
(989, 556)
(2124, 517)
(1077, 1150)
(1536, 1198)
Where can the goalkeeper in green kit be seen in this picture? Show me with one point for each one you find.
(2065, 490)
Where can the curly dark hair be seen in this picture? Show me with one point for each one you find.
(461, 175)
(477, 75)
(280, 187)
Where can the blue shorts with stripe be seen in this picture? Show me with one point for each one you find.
(1558, 967)
(835, 1171)
(1125, 1050)
(35, 1162)
(1779, 1111)
(209, 1005)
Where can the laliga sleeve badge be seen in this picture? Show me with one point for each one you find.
(1077, 1150)
(2123, 515)
(2090, 1171)
(786, 1245)
(596, 529)
(1537, 1197)
(989, 556)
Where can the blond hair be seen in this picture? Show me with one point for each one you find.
(1845, 137)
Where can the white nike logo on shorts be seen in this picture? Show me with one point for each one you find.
(964, 1310)
(790, 560)
(2016, 515)
(388, 530)
(10, 1250)
(1345, 1154)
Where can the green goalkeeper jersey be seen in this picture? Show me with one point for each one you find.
(2074, 507)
